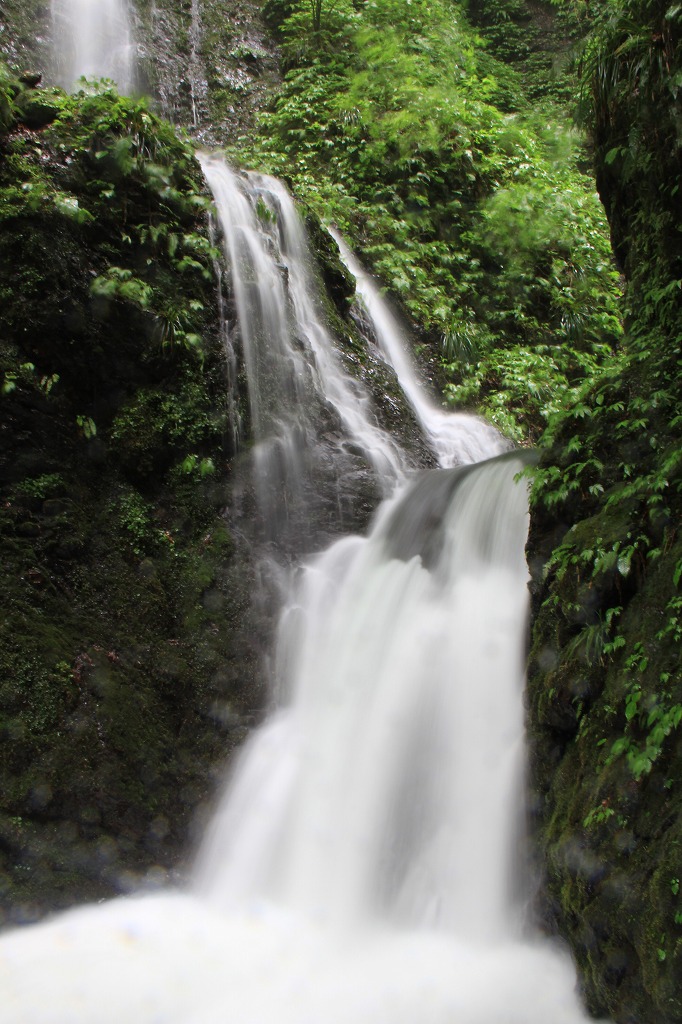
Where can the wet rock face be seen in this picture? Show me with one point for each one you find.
(25, 34)
(604, 684)
(210, 63)
(241, 65)
(131, 658)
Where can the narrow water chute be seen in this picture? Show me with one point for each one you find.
(454, 437)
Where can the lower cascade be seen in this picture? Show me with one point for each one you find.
(366, 864)
(359, 805)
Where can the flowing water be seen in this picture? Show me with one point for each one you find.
(317, 440)
(365, 865)
(454, 437)
(402, 719)
(93, 38)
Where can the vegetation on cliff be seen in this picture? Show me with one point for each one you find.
(131, 651)
(605, 684)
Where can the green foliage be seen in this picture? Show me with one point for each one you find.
(650, 719)
(276, 12)
(118, 283)
(118, 616)
(599, 815)
(87, 426)
(157, 427)
(609, 484)
(8, 92)
(25, 377)
(108, 170)
(621, 545)
(312, 26)
(394, 134)
(192, 465)
(505, 27)
(47, 485)
(135, 519)
(541, 45)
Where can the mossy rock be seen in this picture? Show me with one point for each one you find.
(605, 705)
(128, 656)
(337, 279)
(36, 108)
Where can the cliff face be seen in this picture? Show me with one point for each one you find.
(605, 688)
(127, 647)
(25, 31)
(131, 653)
(209, 64)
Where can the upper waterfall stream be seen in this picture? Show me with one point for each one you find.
(316, 435)
(366, 862)
(93, 38)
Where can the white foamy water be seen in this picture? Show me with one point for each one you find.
(366, 862)
(93, 38)
(403, 719)
(173, 959)
(365, 866)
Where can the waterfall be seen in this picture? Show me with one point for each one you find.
(93, 38)
(403, 719)
(316, 436)
(365, 865)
